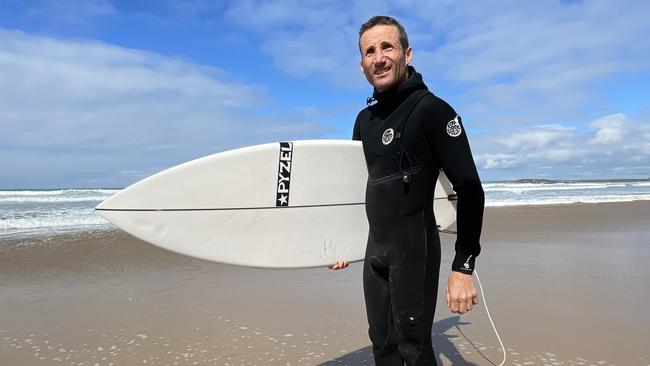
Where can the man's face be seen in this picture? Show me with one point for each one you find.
(383, 60)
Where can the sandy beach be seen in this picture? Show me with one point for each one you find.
(566, 285)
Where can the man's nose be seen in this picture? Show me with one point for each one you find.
(379, 58)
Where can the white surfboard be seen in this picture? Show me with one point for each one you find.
(279, 205)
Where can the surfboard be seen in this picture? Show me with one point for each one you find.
(291, 204)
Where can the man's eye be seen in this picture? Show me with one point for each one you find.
(370, 52)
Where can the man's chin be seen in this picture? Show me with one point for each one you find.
(383, 85)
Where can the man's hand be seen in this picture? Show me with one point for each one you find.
(338, 265)
(461, 293)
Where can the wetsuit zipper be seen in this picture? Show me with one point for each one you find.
(417, 169)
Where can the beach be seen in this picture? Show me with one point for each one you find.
(566, 285)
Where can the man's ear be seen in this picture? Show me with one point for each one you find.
(409, 55)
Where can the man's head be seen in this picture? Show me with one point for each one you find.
(385, 52)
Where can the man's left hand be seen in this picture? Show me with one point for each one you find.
(461, 293)
(338, 265)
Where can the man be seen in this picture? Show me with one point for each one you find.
(408, 135)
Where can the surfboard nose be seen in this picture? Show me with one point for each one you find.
(105, 204)
(100, 206)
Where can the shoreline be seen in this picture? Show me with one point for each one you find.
(520, 180)
(39, 233)
(566, 284)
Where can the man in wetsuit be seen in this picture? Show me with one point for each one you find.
(408, 135)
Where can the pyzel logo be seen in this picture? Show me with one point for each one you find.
(453, 127)
(387, 137)
(284, 174)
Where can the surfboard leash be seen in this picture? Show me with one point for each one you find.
(487, 310)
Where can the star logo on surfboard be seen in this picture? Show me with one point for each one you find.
(283, 200)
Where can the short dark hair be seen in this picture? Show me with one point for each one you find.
(385, 20)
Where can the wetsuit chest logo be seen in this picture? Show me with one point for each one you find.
(387, 137)
(453, 127)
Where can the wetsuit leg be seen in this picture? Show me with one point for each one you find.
(414, 277)
(400, 285)
(378, 306)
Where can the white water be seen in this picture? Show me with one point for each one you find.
(24, 212)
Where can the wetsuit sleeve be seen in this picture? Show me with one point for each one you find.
(450, 149)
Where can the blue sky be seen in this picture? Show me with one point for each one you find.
(103, 93)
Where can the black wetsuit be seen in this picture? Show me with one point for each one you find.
(408, 135)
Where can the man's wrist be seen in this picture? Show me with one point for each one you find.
(463, 263)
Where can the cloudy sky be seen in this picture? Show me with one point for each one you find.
(102, 93)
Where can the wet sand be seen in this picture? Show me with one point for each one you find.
(566, 285)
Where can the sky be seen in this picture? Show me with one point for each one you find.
(102, 93)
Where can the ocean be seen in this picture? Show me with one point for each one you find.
(46, 212)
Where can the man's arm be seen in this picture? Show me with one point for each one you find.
(450, 149)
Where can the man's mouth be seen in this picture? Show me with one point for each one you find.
(382, 72)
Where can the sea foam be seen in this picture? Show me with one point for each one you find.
(50, 211)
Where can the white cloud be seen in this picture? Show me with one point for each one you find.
(95, 109)
(611, 129)
(616, 147)
(537, 137)
(496, 161)
(536, 145)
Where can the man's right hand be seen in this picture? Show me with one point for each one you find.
(338, 265)
(461, 293)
